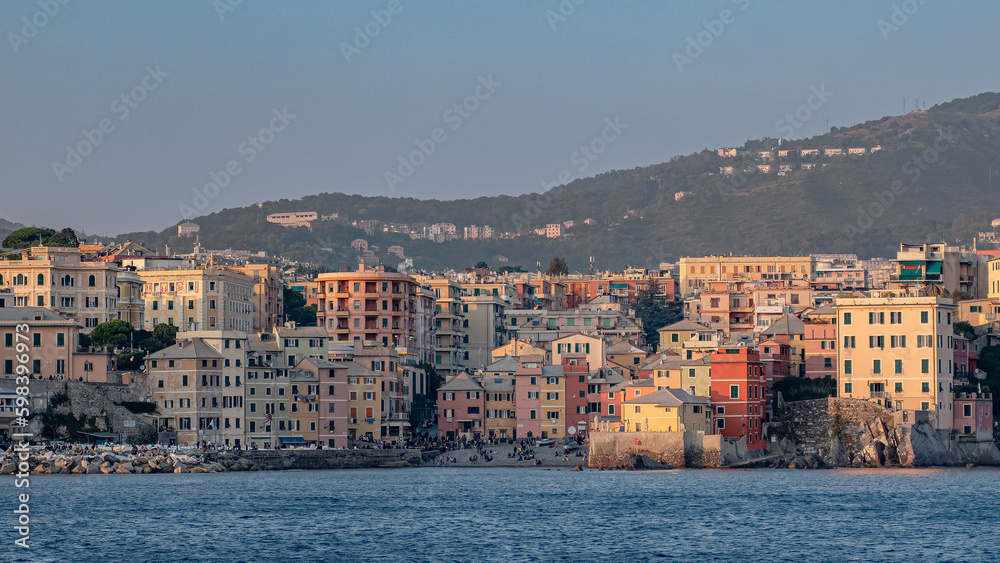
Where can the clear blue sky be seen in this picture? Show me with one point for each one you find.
(558, 80)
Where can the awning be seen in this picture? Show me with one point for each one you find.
(934, 267)
(619, 286)
(292, 440)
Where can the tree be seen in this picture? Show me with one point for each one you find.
(509, 270)
(65, 237)
(481, 265)
(145, 434)
(296, 309)
(114, 333)
(28, 237)
(557, 267)
(654, 314)
(165, 334)
(964, 329)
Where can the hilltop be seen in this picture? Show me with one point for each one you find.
(931, 180)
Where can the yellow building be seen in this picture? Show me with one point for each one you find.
(501, 421)
(667, 410)
(517, 348)
(57, 278)
(198, 299)
(898, 352)
(364, 403)
(696, 271)
(687, 336)
(979, 312)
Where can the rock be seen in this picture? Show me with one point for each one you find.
(124, 468)
(111, 458)
(55, 470)
(63, 462)
(198, 470)
(92, 469)
(108, 469)
(181, 469)
(127, 466)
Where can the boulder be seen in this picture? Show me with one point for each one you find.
(127, 466)
(181, 469)
(124, 469)
(197, 469)
(92, 469)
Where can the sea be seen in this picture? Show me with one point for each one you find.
(497, 514)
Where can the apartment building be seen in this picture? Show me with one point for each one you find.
(449, 326)
(211, 298)
(335, 401)
(944, 268)
(695, 272)
(898, 352)
(461, 403)
(372, 305)
(232, 347)
(267, 410)
(739, 394)
(484, 327)
(57, 278)
(185, 382)
(268, 295)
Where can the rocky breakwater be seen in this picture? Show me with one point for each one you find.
(122, 461)
(41, 462)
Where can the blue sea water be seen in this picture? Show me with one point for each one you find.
(438, 514)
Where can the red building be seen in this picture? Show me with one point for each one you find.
(577, 370)
(738, 394)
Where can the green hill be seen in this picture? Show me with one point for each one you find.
(938, 162)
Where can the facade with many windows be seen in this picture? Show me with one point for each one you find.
(898, 352)
(57, 278)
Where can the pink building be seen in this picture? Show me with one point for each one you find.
(461, 409)
(974, 416)
(527, 396)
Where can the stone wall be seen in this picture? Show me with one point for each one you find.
(273, 460)
(649, 450)
(90, 400)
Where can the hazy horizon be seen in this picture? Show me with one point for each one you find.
(495, 99)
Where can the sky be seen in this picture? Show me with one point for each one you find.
(123, 116)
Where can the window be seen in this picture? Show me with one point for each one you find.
(828, 363)
(966, 411)
(898, 367)
(734, 391)
(925, 387)
(925, 366)
(532, 414)
(898, 389)
(895, 318)
(924, 317)
(848, 365)
(847, 388)
(876, 366)
(847, 318)
(876, 342)
(925, 406)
